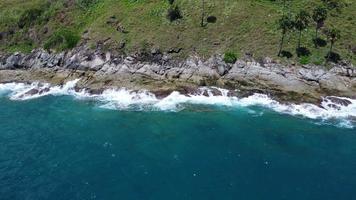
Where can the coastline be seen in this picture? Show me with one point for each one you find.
(160, 74)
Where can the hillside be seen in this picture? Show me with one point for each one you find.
(126, 26)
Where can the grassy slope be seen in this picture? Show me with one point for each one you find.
(243, 26)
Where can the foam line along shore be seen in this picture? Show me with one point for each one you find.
(331, 108)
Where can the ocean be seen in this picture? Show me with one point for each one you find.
(58, 143)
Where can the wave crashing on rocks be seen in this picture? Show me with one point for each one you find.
(336, 110)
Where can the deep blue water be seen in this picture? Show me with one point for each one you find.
(61, 148)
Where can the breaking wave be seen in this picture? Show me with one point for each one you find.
(341, 109)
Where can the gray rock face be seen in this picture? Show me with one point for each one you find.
(156, 68)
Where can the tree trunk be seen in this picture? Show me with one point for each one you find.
(202, 14)
(299, 38)
(316, 37)
(281, 44)
(330, 50)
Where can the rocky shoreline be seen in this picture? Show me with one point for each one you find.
(161, 74)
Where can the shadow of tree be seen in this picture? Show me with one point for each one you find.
(319, 42)
(333, 57)
(211, 19)
(286, 54)
(302, 51)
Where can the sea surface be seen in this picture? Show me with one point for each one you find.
(62, 145)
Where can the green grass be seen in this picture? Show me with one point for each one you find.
(242, 26)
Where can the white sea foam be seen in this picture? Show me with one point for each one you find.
(22, 91)
(143, 100)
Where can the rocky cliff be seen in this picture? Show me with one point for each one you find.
(159, 73)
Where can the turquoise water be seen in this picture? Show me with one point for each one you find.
(62, 148)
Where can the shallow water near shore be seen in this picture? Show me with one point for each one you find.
(63, 147)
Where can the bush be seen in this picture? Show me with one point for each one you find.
(304, 60)
(62, 39)
(28, 17)
(230, 57)
(174, 14)
(85, 4)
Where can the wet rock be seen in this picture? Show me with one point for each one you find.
(161, 94)
(339, 101)
(96, 91)
(211, 92)
(31, 92)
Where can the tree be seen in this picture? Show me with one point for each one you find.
(333, 35)
(319, 16)
(301, 22)
(285, 24)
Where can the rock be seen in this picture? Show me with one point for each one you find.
(100, 69)
(155, 51)
(129, 60)
(13, 61)
(174, 50)
(121, 28)
(339, 101)
(112, 20)
(122, 44)
(267, 61)
(212, 91)
(311, 75)
(353, 49)
(31, 92)
(160, 94)
(2, 35)
(96, 91)
(222, 70)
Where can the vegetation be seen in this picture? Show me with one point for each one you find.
(244, 26)
(333, 35)
(301, 23)
(61, 40)
(285, 24)
(230, 57)
(320, 14)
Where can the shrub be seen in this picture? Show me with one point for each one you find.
(28, 17)
(230, 57)
(62, 39)
(304, 60)
(85, 4)
(174, 13)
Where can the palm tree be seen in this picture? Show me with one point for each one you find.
(319, 16)
(285, 24)
(301, 22)
(333, 35)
